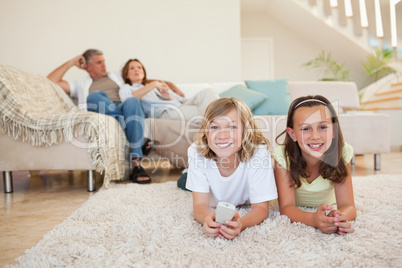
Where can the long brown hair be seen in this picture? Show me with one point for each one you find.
(124, 72)
(332, 166)
(252, 135)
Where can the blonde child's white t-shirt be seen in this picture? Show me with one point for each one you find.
(252, 182)
(319, 191)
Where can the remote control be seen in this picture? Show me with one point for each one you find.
(224, 212)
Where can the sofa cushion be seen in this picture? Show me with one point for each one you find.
(220, 87)
(342, 94)
(250, 97)
(277, 92)
(190, 90)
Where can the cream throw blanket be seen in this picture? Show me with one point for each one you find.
(37, 111)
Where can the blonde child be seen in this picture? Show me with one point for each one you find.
(312, 167)
(230, 161)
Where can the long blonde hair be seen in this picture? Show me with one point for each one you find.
(252, 135)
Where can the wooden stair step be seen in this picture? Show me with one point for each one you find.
(390, 93)
(380, 100)
(386, 103)
(396, 84)
(380, 108)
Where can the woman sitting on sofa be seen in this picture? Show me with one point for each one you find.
(162, 99)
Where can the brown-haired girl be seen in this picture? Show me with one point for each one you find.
(312, 167)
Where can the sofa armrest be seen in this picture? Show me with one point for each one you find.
(367, 133)
(18, 156)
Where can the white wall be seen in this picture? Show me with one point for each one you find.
(257, 55)
(292, 48)
(288, 57)
(183, 41)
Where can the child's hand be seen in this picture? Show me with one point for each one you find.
(323, 222)
(211, 227)
(341, 221)
(232, 229)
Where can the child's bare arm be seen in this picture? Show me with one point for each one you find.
(287, 204)
(203, 215)
(346, 211)
(258, 213)
(286, 196)
(344, 197)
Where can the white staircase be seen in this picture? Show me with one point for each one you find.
(331, 28)
(367, 37)
(386, 98)
(385, 95)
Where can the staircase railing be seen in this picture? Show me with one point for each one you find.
(369, 32)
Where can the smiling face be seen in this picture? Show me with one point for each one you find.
(135, 72)
(313, 130)
(225, 135)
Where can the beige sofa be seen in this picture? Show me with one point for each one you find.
(368, 133)
(41, 129)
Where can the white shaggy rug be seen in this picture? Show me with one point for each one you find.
(131, 225)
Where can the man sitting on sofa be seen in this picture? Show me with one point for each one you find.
(98, 92)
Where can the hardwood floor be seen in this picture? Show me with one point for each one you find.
(41, 200)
